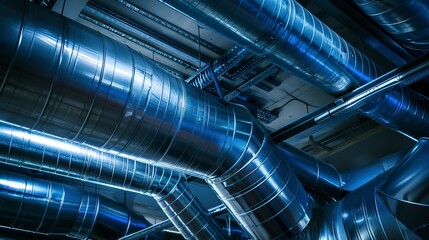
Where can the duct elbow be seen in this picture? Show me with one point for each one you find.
(258, 186)
(187, 213)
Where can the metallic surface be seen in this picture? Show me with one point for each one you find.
(29, 149)
(368, 31)
(268, 71)
(170, 26)
(149, 230)
(357, 178)
(107, 95)
(317, 176)
(360, 215)
(138, 42)
(134, 29)
(405, 192)
(405, 20)
(286, 34)
(392, 206)
(50, 208)
(292, 38)
(167, 224)
(401, 106)
(324, 180)
(210, 73)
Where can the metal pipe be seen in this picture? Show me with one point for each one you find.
(360, 215)
(170, 26)
(149, 230)
(392, 206)
(286, 34)
(166, 224)
(30, 149)
(135, 30)
(405, 191)
(324, 180)
(399, 77)
(291, 37)
(51, 208)
(404, 20)
(211, 73)
(128, 106)
(317, 176)
(138, 42)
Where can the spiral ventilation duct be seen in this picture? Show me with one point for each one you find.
(128, 106)
(406, 21)
(290, 36)
(50, 208)
(392, 206)
(29, 149)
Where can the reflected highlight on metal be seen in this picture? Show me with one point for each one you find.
(129, 107)
(394, 205)
(51, 208)
(29, 149)
(324, 180)
(286, 34)
(405, 20)
(405, 192)
(212, 72)
(316, 175)
(291, 37)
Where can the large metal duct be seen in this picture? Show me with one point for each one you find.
(64, 79)
(324, 180)
(51, 208)
(290, 36)
(29, 149)
(360, 215)
(405, 192)
(405, 20)
(395, 205)
(282, 32)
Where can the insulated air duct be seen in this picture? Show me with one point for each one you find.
(50, 208)
(64, 79)
(29, 149)
(395, 205)
(290, 36)
(405, 20)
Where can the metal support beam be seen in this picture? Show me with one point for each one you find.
(140, 32)
(269, 71)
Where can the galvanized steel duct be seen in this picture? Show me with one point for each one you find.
(360, 215)
(316, 175)
(395, 205)
(64, 79)
(51, 208)
(33, 150)
(405, 192)
(291, 37)
(324, 180)
(405, 20)
(287, 35)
